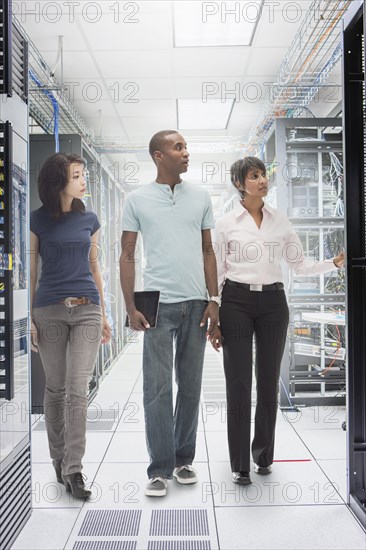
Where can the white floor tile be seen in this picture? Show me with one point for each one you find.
(316, 417)
(336, 471)
(131, 447)
(300, 527)
(47, 493)
(113, 400)
(123, 485)
(122, 374)
(288, 446)
(116, 387)
(47, 530)
(294, 507)
(289, 484)
(96, 446)
(325, 444)
(127, 447)
(213, 416)
(132, 418)
(217, 446)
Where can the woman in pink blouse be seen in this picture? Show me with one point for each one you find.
(251, 242)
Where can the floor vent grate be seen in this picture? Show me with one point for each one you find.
(179, 523)
(111, 523)
(179, 545)
(105, 545)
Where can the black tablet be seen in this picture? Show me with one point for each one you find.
(147, 302)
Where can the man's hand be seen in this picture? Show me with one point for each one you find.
(138, 321)
(211, 312)
(216, 339)
(339, 260)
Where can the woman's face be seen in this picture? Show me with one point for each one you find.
(256, 183)
(76, 187)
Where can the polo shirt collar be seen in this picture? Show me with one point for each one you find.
(162, 185)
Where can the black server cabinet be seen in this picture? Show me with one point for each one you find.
(354, 112)
(15, 463)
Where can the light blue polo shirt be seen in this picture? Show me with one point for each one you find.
(170, 224)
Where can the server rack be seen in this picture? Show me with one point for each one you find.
(304, 159)
(354, 113)
(15, 463)
(105, 197)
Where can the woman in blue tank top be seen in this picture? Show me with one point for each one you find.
(68, 320)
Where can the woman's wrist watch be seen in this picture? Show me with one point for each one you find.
(216, 299)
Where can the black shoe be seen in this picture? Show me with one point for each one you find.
(57, 466)
(75, 484)
(242, 478)
(262, 470)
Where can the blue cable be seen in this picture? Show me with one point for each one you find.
(56, 109)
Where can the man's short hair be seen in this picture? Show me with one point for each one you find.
(157, 141)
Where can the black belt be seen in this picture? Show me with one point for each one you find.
(256, 288)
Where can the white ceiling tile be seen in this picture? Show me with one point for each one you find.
(128, 55)
(135, 127)
(265, 61)
(153, 31)
(226, 61)
(142, 109)
(134, 64)
(46, 35)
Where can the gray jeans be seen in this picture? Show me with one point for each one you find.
(68, 343)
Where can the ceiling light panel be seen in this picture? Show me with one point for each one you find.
(215, 23)
(193, 114)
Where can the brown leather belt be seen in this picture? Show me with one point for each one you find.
(256, 288)
(72, 302)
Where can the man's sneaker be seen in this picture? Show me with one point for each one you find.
(185, 474)
(156, 487)
(262, 470)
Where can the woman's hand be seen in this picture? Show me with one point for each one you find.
(34, 337)
(339, 260)
(106, 331)
(216, 339)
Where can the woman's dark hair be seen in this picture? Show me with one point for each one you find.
(240, 169)
(53, 178)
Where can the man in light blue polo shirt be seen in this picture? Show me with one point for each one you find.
(175, 219)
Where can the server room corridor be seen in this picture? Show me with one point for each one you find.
(301, 505)
(266, 168)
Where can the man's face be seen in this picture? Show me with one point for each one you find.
(174, 156)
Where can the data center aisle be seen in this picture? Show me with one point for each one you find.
(297, 506)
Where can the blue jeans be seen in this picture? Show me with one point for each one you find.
(171, 438)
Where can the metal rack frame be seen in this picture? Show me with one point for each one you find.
(277, 147)
(312, 55)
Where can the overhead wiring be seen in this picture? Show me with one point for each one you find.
(56, 110)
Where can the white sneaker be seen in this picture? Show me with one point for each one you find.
(156, 487)
(185, 474)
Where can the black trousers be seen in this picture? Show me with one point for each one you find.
(265, 315)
